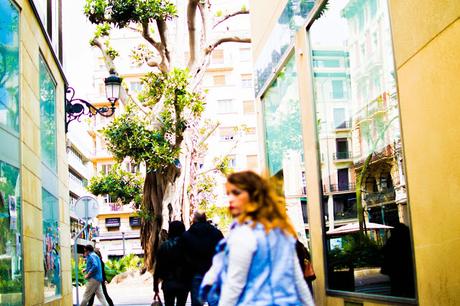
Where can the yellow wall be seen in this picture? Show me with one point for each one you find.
(32, 43)
(426, 38)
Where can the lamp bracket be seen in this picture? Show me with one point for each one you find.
(75, 108)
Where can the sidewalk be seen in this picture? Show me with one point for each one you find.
(135, 290)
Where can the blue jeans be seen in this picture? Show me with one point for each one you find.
(196, 283)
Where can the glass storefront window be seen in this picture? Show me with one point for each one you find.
(10, 236)
(47, 117)
(365, 202)
(11, 267)
(283, 138)
(51, 248)
(9, 66)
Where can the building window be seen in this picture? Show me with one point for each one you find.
(245, 54)
(219, 80)
(217, 56)
(132, 167)
(105, 168)
(249, 107)
(49, 180)
(363, 216)
(252, 162)
(135, 86)
(337, 89)
(246, 80)
(47, 116)
(51, 247)
(11, 259)
(281, 109)
(225, 106)
(227, 133)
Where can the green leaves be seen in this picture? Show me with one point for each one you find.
(121, 13)
(119, 184)
(155, 138)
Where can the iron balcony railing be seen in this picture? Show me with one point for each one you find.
(342, 187)
(341, 155)
(380, 197)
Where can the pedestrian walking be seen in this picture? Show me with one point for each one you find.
(305, 263)
(171, 268)
(94, 276)
(200, 243)
(104, 282)
(258, 264)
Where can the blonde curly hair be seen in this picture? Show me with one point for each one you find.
(265, 205)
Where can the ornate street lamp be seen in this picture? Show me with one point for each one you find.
(75, 107)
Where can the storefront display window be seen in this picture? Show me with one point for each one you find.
(11, 266)
(50, 203)
(51, 247)
(365, 205)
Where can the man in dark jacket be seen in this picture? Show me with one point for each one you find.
(171, 268)
(200, 242)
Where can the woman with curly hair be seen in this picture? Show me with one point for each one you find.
(259, 261)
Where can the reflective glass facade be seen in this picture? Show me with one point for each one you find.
(50, 203)
(365, 206)
(11, 265)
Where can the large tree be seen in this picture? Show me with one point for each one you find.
(160, 128)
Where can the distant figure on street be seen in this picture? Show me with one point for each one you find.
(398, 263)
(94, 276)
(200, 243)
(258, 264)
(171, 268)
(104, 281)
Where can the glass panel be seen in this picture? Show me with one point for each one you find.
(51, 247)
(47, 117)
(292, 17)
(11, 266)
(10, 236)
(9, 66)
(282, 118)
(283, 135)
(364, 192)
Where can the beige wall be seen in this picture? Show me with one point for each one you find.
(32, 43)
(426, 38)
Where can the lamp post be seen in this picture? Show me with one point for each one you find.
(75, 107)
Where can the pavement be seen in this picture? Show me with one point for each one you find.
(129, 289)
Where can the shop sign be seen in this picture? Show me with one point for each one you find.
(112, 222)
(134, 221)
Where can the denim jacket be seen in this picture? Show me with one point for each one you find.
(271, 277)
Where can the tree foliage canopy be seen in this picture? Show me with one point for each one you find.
(119, 184)
(122, 12)
(133, 134)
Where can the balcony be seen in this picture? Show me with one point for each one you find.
(341, 156)
(384, 196)
(340, 188)
(346, 125)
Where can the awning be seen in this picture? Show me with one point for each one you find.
(354, 227)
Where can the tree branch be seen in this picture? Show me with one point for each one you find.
(158, 46)
(204, 25)
(162, 28)
(107, 59)
(224, 40)
(240, 12)
(191, 13)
